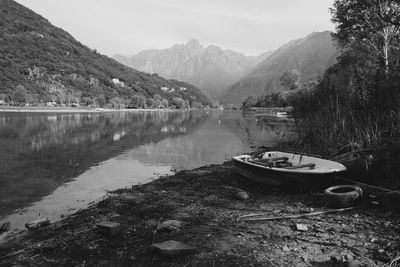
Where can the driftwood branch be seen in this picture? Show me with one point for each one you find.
(258, 217)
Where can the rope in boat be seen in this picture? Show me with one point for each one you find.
(367, 185)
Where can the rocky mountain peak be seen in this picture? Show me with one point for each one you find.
(211, 68)
(194, 46)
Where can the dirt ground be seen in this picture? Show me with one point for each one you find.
(205, 201)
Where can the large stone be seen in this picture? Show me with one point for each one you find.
(170, 225)
(109, 228)
(130, 199)
(38, 223)
(172, 247)
(242, 195)
(301, 227)
(5, 227)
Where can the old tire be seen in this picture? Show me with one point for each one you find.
(342, 196)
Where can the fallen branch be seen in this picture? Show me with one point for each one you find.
(392, 262)
(256, 217)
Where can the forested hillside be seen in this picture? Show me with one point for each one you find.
(304, 59)
(40, 63)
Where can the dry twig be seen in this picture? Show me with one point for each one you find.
(257, 217)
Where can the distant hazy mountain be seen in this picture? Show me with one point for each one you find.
(308, 57)
(40, 62)
(211, 69)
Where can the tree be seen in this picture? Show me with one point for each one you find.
(179, 103)
(215, 104)
(150, 102)
(137, 101)
(290, 80)
(157, 97)
(117, 102)
(19, 96)
(368, 23)
(101, 100)
(197, 105)
(249, 102)
(87, 101)
(165, 103)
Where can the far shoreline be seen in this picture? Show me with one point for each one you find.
(75, 110)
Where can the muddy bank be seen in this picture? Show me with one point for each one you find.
(205, 202)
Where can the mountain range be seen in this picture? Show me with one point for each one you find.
(211, 68)
(230, 76)
(307, 58)
(40, 62)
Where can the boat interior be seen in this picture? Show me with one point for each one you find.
(291, 161)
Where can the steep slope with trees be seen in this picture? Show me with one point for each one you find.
(211, 69)
(305, 58)
(40, 62)
(357, 103)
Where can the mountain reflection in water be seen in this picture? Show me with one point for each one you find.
(53, 164)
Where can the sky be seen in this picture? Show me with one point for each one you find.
(129, 26)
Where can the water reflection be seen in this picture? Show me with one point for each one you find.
(53, 164)
(41, 152)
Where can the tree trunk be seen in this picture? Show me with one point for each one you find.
(385, 51)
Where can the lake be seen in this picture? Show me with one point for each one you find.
(53, 164)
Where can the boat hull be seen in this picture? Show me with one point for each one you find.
(277, 177)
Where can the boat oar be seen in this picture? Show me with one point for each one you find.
(307, 165)
(256, 217)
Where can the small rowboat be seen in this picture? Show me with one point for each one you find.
(279, 168)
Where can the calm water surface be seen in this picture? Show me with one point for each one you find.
(55, 164)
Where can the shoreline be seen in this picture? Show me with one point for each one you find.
(205, 201)
(75, 110)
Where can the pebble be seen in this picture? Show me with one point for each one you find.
(170, 225)
(5, 227)
(242, 195)
(109, 228)
(38, 223)
(172, 247)
(304, 259)
(301, 227)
